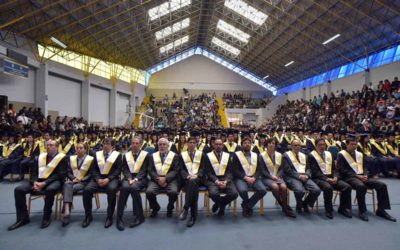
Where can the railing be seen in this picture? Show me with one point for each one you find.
(144, 121)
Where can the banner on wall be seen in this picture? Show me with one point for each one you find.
(12, 68)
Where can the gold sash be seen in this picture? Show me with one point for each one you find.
(312, 140)
(249, 168)
(105, 166)
(7, 150)
(135, 166)
(46, 170)
(382, 150)
(356, 165)
(184, 148)
(272, 168)
(299, 166)
(393, 150)
(192, 167)
(279, 139)
(232, 148)
(82, 171)
(324, 164)
(201, 147)
(289, 140)
(162, 169)
(219, 167)
(329, 144)
(93, 144)
(28, 151)
(366, 150)
(66, 149)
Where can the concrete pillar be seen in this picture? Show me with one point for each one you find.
(113, 107)
(41, 81)
(85, 91)
(367, 76)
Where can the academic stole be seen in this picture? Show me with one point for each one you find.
(329, 144)
(299, 166)
(162, 169)
(180, 150)
(105, 165)
(231, 148)
(45, 170)
(135, 166)
(28, 151)
(7, 150)
(394, 150)
(82, 171)
(272, 168)
(324, 164)
(382, 150)
(366, 149)
(249, 168)
(279, 139)
(192, 167)
(201, 147)
(357, 164)
(66, 149)
(219, 167)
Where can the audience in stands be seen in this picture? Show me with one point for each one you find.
(240, 101)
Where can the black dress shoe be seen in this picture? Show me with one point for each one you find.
(221, 211)
(299, 210)
(183, 214)
(345, 212)
(214, 208)
(288, 212)
(65, 221)
(87, 220)
(250, 212)
(169, 213)
(305, 208)
(329, 215)
(136, 222)
(191, 221)
(120, 224)
(45, 223)
(109, 222)
(363, 216)
(154, 212)
(385, 215)
(18, 224)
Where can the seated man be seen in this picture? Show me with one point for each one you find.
(106, 171)
(297, 176)
(326, 176)
(247, 171)
(352, 170)
(134, 167)
(163, 171)
(46, 178)
(12, 155)
(220, 179)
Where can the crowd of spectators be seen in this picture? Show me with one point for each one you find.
(240, 101)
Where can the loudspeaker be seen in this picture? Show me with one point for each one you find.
(3, 103)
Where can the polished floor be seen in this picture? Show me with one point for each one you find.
(231, 232)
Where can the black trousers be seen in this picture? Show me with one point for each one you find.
(215, 193)
(191, 188)
(299, 188)
(341, 186)
(26, 187)
(243, 188)
(133, 190)
(153, 189)
(361, 190)
(92, 187)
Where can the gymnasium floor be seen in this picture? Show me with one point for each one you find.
(231, 232)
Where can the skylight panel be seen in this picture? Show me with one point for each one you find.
(166, 8)
(244, 9)
(174, 44)
(225, 46)
(233, 31)
(172, 29)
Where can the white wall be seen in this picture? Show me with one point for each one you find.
(18, 89)
(99, 108)
(388, 71)
(64, 96)
(122, 103)
(199, 74)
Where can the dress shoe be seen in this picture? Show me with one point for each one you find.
(183, 214)
(65, 220)
(169, 213)
(214, 208)
(87, 220)
(154, 212)
(299, 210)
(45, 223)
(109, 222)
(363, 216)
(385, 215)
(345, 212)
(245, 212)
(221, 211)
(137, 221)
(329, 215)
(18, 224)
(120, 224)
(305, 208)
(288, 212)
(250, 212)
(190, 222)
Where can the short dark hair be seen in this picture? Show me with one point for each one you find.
(318, 140)
(270, 140)
(246, 139)
(108, 140)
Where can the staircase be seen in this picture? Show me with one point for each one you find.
(221, 112)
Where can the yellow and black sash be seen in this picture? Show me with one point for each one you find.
(300, 166)
(66, 149)
(192, 167)
(324, 164)
(81, 172)
(180, 149)
(249, 168)
(279, 139)
(394, 150)
(232, 148)
(45, 170)
(383, 149)
(105, 165)
(272, 168)
(200, 147)
(135, 166)
(93, 144)
(366, 150)
(330, 143)
(8, 149)
(357, 164)
(162, 169)
(288, 140)
(219, 167)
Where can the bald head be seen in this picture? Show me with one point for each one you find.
(163, 145)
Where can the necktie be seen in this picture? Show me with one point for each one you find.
(105, 156)
(230, 144)
(162, 158)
